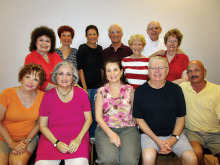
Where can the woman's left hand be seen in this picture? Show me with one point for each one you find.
(20, 147)
(74, 145)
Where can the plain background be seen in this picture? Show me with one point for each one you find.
(198, 20)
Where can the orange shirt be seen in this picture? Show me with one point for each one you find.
(19, 120)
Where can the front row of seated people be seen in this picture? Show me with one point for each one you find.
(159, 109)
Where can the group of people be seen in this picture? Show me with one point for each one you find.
(121, 88)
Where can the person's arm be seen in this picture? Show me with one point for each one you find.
(82, 79)
(74, 144)
(18, 146)
(178, 129)
(113, 137)
(164, 148)
(183, 78)
(158, 53)
(62, 147)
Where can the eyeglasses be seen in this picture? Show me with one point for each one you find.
(116, 32)
(159, 68)
(152, 28)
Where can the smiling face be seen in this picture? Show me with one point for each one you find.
(43, 44)
(30, 82)
(137, 47)
(158, 70)
(66, 38)
(64, 76)
(113, 72)
(115, 34)
(92, 36)
(172, 43)
(154, 30)
(196, 72)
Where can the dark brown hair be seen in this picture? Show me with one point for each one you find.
(41, 31)
(118, 62)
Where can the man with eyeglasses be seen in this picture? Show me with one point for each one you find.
(153, 42)
(202, 126)
(159, 110)
(117, 49)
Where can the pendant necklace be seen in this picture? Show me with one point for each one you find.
(64, 96)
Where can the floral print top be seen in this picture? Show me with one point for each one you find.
(117, 112)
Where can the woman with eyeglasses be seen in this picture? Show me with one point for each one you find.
(177, 62)
(65, 117)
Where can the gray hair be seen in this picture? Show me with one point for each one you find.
(74, 71)
(114, 25)
(158, 58)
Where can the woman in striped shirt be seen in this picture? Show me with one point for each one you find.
(136, 66)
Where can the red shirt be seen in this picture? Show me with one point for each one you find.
(177, 65)
(35, 57)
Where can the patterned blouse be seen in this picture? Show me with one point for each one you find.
(71, 57)
(117, 112)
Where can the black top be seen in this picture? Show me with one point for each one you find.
(90, 60)
(159, 107)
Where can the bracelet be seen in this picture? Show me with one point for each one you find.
(55, 144)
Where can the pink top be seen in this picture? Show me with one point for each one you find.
(117, 112)
(177, 65)
(35, 57)
(65, 121)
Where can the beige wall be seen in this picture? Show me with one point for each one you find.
(198, 20)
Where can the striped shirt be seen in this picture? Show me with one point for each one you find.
(135, 70)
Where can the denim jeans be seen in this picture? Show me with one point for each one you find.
(92, 95)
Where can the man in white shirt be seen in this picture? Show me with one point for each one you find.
(153, 42)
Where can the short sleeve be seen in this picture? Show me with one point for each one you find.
(44, 108)
(80, 57)
(4, 98)
(217, 107)
(181, 109)
(85, 103)
(185, 62)
(137, 111)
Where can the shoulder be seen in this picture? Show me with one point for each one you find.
(7, 91)
(182, 56)
(82, 46)
(141, 88)
(99, 47)
(125, 47)
(80, 91)
(173, 88)
(74, 50)
(128, 88)
(107, 49)
(213, 86)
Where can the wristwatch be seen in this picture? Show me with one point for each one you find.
(55, 144)
(176, 136)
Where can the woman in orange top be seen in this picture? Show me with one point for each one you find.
(19, 112)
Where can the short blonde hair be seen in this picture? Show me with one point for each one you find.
(137, 37)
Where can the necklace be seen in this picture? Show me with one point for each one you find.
(64, 95)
